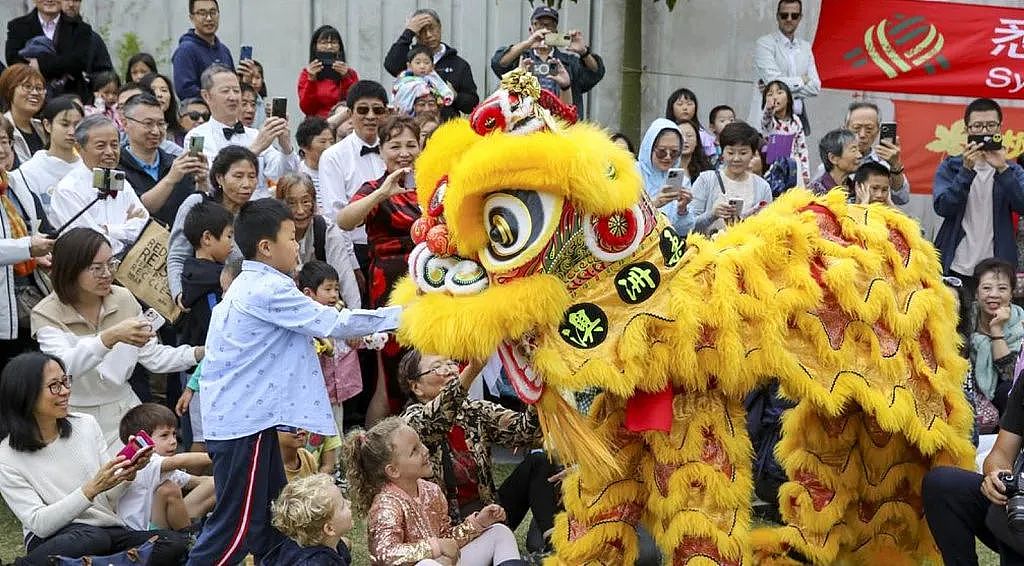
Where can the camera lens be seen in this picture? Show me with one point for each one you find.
(542, 69)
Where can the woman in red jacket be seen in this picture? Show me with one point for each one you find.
(326, 79)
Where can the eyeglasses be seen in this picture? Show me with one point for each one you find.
(149, 125)
(102, 269)
(32, 89)
(61, 384)
(789, 16)
(662, 153)
(195, 116)
(206, 14)
(981, 127)
(449, 366)
(376, 109)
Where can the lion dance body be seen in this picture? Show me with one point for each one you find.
(537, 242)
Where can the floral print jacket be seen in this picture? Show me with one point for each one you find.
(484, 423)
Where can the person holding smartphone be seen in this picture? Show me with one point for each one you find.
(387, 206)
(976, 195)
(666, 183)
(577, 69)
(326, 79)
(56, 476)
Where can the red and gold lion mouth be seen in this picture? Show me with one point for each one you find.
(517, 358)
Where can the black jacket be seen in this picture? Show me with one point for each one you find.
(451, 68)
(142, 182)
(72, 40)
(288, 552)
(200, 291)
(581, 77)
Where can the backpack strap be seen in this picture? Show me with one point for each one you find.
(721, 184)
(320, 237)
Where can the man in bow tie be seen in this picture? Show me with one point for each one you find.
(222, 93)
(354, 160)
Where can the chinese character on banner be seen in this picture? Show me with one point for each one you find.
(1010, 38)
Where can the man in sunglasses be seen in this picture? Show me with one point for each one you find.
(354, 160)
(192, 112)
(782, 56)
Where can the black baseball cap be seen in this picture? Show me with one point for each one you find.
(544, 12)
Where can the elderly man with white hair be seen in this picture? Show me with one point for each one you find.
(120, 216)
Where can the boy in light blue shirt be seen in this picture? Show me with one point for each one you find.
(261, 372)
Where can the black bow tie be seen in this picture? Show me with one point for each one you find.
(237, 129)
(367, 149)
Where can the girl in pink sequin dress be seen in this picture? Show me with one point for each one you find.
(408, 521)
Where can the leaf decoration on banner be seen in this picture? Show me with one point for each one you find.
(948, 141)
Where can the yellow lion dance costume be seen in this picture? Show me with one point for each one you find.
(537, 242)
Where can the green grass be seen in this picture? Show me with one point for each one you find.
(10, 533)
(11, 537)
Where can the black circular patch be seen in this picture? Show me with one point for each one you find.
(636, 282)
(584, 326)
(672, 245)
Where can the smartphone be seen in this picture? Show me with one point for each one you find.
(737, 205)
(555, 39)
(989, 142)
(195, 146)
(887, 132)
(246, 53)
(135, 448)
(410, 180)
(326, 58)
(109, 182)
(279, 107)
(155, 319)
(675, 178)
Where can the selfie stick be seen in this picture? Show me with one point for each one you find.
(102, 195)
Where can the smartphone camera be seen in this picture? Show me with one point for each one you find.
(279, 107)
(195, 146)
(108, 182)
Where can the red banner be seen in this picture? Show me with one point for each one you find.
(930, 131)
(922, 47)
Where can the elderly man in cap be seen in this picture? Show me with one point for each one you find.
(573, 71)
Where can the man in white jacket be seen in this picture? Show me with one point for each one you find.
(120, 216)
(782, 56)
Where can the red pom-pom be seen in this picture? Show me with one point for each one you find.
(420, 228)
(487, 118)
(440, 242)
(617, 230)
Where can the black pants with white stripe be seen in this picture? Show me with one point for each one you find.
(248, 475)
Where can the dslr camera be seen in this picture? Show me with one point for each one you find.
(1013, 484)
(108, 182)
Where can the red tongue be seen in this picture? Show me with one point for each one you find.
(649, 411)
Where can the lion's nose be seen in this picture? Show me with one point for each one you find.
(454, 275)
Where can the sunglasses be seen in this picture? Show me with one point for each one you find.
(377, 110)
(663, 153)
(789, 16)
(194, 115)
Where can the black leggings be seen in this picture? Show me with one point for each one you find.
(527, 489)
(77, 540)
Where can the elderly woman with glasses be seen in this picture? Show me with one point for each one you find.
(57, 477)
(459, 433)
(97, 328)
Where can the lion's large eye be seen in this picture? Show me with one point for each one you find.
(516, 222)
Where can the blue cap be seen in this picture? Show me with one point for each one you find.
(544, 12)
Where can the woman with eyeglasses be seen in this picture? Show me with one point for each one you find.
(660, 150)
(57, 477)
(459, 433)
(163, 90)
(24, 91)
(41, 173)
(326, 79)
(387, 206)
(23, 251)
(97, 328)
